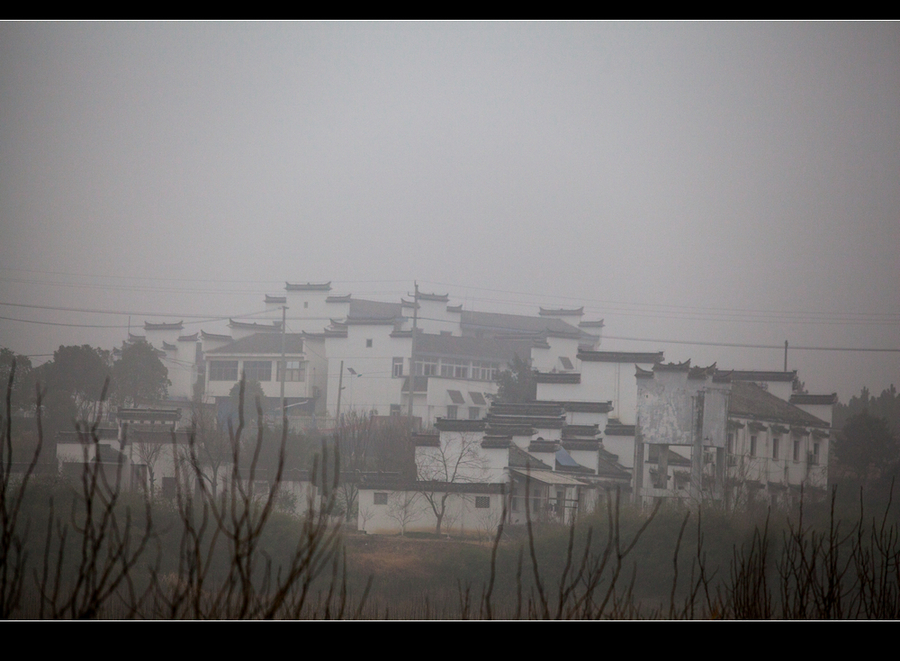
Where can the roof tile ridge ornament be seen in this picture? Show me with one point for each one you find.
(673, 367)
(175, 325)
(309, 286)
(455, 308)
(343, 298)
(561, 312)
(641, 373)
(701, 373)
(275, 326)
(275, 299)
(214, 336)
(440, 298)
(188, 338)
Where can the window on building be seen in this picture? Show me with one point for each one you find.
(295, 370)
(815, 453)
(223, 370)
(474, 413)
(398, 367)
(753, 446)
(381, 498)
(731, 443)
(258, 370)
(566, 363)
(368, 344)
(395, 410)
(482, 502)
(305, 304)
(427, 367)
(796, 450)
(452, 412)
(775, 440)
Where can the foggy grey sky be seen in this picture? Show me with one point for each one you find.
(696, 182)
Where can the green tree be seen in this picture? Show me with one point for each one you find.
(867, 447)
(139, 375)
(517, 384)
(74, 381)
(22, 395)
(253, 395)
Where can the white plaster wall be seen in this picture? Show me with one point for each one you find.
(462, 517)
(376, 388)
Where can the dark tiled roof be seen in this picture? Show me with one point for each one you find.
(591, 324)
(557, 377)
(581, 407)
(538, 422)
(750, 401)
(618, 429)
(566, 464)
(214, 336)
(447, 424)
(478, 348)
(495, 323)
(753, 375)
(455, 308)
(562, 312)
(426, 440)
(673, 367)
(518, 458)
(574, 431)
(309, 286)
(496, 442)
(803, 398)
(620, 357)
(346, 298)
(540, 409)
(675, 459)
(260, 328)
(510, 430)
(440, 298)
(169, 347)
(177, 325)
(608, 469)
(572, 445)
(263, 344)
(188, 338)
(276, 299)
(540, 445)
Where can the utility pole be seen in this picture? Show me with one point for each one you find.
(283, 364)
(412, 358)
(337, 413)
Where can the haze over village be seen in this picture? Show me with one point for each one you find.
(701, 188)
(449, 320)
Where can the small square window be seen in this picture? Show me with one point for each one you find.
(398, 367)
(753, 446)
(368, 344)
(305, 304)
(381, 498)
(474, 413)
(775, 447)
(452, 412)
(796, 450)
(482, 502)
